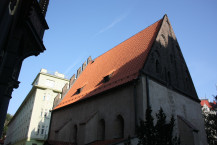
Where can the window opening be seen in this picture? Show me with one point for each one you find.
(107, 77)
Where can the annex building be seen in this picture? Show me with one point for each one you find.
(30, 124)
(110, 96)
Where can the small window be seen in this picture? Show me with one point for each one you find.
(78, 90)
(106, 78)
(42, 131)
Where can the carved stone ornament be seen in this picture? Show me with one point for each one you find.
(12, 6)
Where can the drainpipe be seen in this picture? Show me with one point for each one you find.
(147, 91)
(135, 105)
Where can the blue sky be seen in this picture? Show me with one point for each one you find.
(79, 29)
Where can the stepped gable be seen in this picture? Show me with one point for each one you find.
(117, 66)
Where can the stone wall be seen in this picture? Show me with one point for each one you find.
(86, 114)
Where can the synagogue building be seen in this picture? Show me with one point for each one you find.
(106, 102)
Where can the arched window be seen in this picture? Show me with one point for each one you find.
(75, 131)
(163, 40)
(119, 127)
(101, 129)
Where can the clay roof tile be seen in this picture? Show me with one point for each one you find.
(124, 61)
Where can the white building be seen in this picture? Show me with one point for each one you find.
(30, 124)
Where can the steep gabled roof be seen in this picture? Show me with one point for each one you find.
(117, 66)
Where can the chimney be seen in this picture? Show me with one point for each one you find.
(72, 80)
(89, 60)
(64, 90)
(79, 71)
(57, 100)
(84, 66)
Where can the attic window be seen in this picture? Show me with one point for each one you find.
(107, 78)
(79, 90)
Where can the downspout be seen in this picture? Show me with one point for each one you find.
(135, 105)
(147, 91)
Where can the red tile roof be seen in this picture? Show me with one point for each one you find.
(205, 101)
(124, 61)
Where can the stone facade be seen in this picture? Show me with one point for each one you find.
(83, 120)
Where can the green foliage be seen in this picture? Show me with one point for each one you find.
(160, 134)
(8, 118)
(210, 120)
(146, 130)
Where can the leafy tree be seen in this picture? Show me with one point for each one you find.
(210, 120)
(160, 134)
(7, 120)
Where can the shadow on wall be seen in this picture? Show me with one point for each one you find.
(41, 131)
(167, 65)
